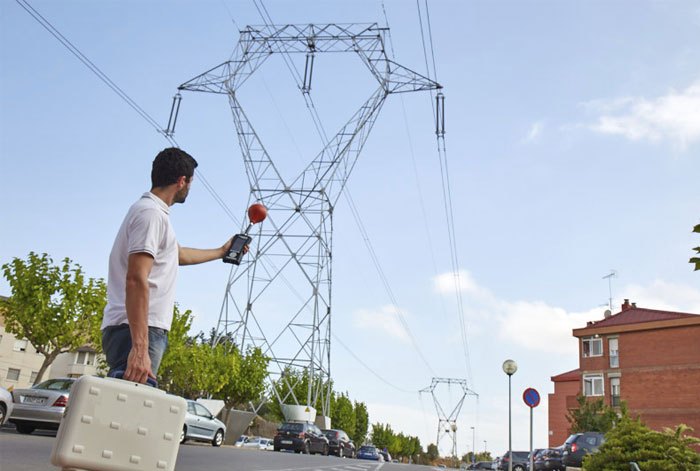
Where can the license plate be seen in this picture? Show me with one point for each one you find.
(286, 442)
(33, 400)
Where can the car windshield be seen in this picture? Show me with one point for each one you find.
(368, 449)
(572, 438)
(330, 433)
(55, 384)
(292, 427)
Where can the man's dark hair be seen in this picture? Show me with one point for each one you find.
(171, 164)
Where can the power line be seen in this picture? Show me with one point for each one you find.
(121, 93)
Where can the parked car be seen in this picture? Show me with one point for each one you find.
(5, 405)
(201, 425)
(242, 440)
(520, 461)
(579, 445)
(369, 452)
(481, 465)
(41, 406)
(386, 456)
(552, 460)
(301, 437)
(258, 443)
(339, 443)
(538, 458)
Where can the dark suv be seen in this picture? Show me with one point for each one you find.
(520, 461)
(300, 437)
(339, 443)
(579, 445)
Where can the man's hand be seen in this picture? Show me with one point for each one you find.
(190, 256)
(138, 366)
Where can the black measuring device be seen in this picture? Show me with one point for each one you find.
(256, 213)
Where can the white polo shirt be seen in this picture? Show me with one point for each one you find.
(146, 228)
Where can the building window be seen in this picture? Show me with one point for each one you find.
(615, 392)
(85, 358)
(593, 385)
(614, 355)
(13, 374)
(32, 378)
(20, 345)
(592, 347)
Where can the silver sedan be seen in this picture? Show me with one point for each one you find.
(40, 406)
(201, 425)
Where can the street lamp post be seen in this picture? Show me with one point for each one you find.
(509, 368)
(473, 445)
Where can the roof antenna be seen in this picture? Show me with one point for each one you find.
(610, 276)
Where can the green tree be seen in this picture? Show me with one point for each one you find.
(56, 308)
(696, 260)
(382, 436)
(172, 364)
(431, 454)
(631, 441)
(592, 416)
(342, 414)
(361, 423)
(248, 383)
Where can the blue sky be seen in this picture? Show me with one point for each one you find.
(572, 138)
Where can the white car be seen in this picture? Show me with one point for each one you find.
(259, 443)
(5, 405)
(202, 426)
(242, 440)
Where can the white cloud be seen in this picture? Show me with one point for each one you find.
(535, 131)
(673, 117)
(449, 283)
(526, 323)
(385, 319)
(664, 295)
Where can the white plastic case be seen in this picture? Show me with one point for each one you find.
(116, 425)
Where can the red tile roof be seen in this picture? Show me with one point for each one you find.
(568, 376)
(635, 315)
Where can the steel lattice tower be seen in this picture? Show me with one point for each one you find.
(292, 248)
(447, 424)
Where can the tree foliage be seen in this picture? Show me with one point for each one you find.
(342, 413)
(591, 416)
(56, 308)
(361, 423)
(631, 441)
(696, 260)
(203, 366)
(398, 445)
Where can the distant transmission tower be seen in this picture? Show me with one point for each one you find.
(447, 424)
(293, 247)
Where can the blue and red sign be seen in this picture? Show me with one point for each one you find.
(531, 397)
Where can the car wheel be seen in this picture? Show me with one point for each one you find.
(218, 438)
(25, 429)
(306, 450)
(276, 449)
(183, 434)
(3, 413)
(325, 450)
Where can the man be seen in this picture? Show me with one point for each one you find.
(143, 271)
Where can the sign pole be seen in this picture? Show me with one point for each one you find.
(532, 399)
(532, 468)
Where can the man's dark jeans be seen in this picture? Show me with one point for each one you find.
(116, 343)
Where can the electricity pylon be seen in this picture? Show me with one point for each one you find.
(293, 247)
(447, 424)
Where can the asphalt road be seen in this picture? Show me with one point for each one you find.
(32, 453)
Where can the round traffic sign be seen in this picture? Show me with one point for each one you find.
(531, 397)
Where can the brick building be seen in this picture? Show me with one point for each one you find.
(646, 357)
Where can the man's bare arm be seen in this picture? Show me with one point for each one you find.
(138, 367)
(190, 256)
